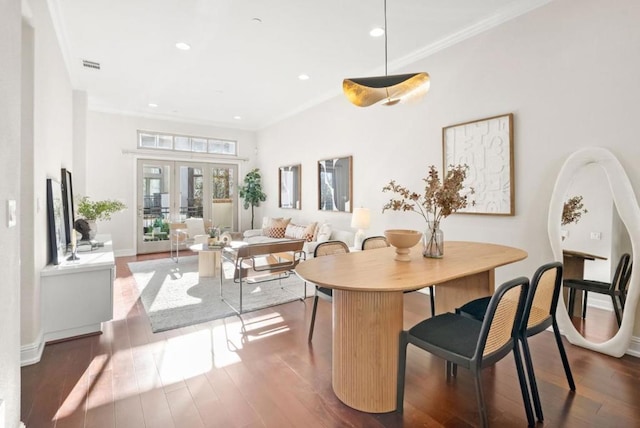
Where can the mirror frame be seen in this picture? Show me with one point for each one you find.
(321, 163)
(626, 203)
(298, 178)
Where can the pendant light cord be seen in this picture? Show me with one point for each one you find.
(385, 38)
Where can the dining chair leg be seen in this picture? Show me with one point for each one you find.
(563, 356)
(402, 364)
(313, 317)
(584, 304)
(528, 362)
(523, 384)
(572, 301)
(432, 299)
(616, 309)
(480, 399)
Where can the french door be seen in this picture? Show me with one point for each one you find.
(172, 191)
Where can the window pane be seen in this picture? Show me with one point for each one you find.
(165, 142)
(230, 148)
(187, 144)
(222, 147)
(199, 145)
(183, 143)
(147, 140)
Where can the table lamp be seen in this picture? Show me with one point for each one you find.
(361, 219)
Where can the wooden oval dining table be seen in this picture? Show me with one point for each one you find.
(368, 308)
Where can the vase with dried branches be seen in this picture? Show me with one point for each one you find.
(440, 199)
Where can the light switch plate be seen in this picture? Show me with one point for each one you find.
(11, 213)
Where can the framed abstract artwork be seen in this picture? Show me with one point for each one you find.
(67, 204)
(290, 178)
(55, 222)
(335, 184)
(486, 146)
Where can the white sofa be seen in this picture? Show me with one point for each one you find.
(322, 232)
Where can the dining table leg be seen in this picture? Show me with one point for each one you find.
(366, 331)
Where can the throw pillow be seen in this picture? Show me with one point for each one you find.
(276, 227)
(296, 231)
(324, 232)
(266, 222)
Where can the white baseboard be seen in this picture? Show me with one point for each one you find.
(599, 301)
(32, 352)
(634, 347)
(125, 253)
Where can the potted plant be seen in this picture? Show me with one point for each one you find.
(251, 191)
(93, 211)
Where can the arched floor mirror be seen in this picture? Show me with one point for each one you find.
(628, 211)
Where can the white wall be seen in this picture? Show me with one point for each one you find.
(50, 149)
(566, 70)
(10, 92)
(111, 173)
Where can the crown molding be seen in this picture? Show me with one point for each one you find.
(506, 14)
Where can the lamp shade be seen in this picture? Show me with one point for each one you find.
(361, 218)
(389, 90)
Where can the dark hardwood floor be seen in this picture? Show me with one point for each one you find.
(258, 371)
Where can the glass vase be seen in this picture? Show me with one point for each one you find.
(433, 241)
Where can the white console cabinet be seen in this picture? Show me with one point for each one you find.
(77, 296)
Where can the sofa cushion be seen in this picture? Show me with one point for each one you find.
(296, 231)
(324, 232)
(276, 227)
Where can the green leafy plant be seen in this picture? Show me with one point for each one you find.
(98, 210)
(251, 191)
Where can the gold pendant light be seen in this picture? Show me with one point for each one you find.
(387, 90)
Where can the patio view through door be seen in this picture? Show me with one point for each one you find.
(172, 191)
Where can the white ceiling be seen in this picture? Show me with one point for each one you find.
(239, 67)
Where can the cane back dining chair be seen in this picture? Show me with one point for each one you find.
(539, 314)
(324, 249)
(374, 242)
(616, 289)
(473, 344)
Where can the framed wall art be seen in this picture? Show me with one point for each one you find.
(335, 184)
(67, 204)
(486, 146)
(55, 222)
(289, 178)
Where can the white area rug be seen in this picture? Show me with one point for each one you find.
(175, 296)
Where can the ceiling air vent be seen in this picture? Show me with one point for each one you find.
(91, 64)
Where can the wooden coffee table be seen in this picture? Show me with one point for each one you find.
(208, 259)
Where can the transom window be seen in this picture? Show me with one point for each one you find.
(183, 143)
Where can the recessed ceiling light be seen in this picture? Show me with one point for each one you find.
(376, 32)
(237, 117)
(303, 77)
(154, 105)
(256, 20)
(183, 46)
